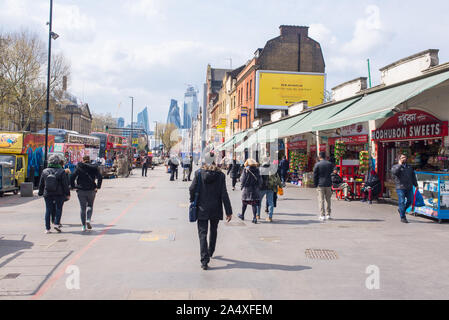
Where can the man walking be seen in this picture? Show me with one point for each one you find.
(322, 180)
(404, 178)
(283, 169)
(185, 168)
(144, 166)
(85, 175)
(173, 163)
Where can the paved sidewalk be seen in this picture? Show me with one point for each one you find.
(142, 247)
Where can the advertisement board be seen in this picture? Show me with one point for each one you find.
(11, 142)
(278, 90)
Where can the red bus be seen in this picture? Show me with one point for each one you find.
(110, 144)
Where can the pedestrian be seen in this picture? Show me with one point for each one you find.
(270, 184)
(322, 180)
(404, 178)
(212, 197)
(234, 172)
(251, 183)
(284, 166)
(190, 167)
(338, 183)
(54, 186)
(173, 164)
(371, 188)
(144, 166)
(185, 168)
(86, 188)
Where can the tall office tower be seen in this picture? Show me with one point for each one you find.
(142, 120)
(173, 114)
(191, 107)
(120, 122)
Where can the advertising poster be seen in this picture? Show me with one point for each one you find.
(278, 90)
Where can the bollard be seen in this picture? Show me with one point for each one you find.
(26, 189)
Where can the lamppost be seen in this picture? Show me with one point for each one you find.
(54, 36)
(132, 116)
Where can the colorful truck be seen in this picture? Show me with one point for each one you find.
(25, 152)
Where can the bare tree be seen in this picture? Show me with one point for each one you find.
(169, 135)
(100, 121)
(22, 77)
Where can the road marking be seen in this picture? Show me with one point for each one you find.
(61, 272)
(157, 235)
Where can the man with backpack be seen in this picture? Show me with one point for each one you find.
(85, 175)
(270, 184)
(54, 186)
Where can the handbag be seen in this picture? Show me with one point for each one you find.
(193, 209)
(280, 191)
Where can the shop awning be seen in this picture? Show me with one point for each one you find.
(378, 105)
(234, 140)
(315, 117)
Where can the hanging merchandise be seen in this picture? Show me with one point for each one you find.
(364, 162)
(340, 149)
(302, 161)
(294, 161)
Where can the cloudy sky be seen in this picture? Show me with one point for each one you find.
(151, 49)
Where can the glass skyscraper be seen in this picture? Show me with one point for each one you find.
(173, 114)
(191, 107)
(142, 120)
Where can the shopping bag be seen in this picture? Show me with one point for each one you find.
(280, 191)
(419, 200)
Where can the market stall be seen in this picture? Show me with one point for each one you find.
(417, 134)
(297, 156)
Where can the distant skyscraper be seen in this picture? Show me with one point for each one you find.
(120, 123)
(191, 107)
(142, 120)
(173, 114)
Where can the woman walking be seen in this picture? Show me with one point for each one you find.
(54, 186)
(212, 197)
(251, 183)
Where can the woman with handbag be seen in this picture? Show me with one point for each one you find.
(251, 183)
(208, 192)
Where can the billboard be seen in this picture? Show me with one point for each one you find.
(278, 89)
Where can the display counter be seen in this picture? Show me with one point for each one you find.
(434, 187)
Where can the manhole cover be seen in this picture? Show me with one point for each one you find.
(11, 276)
(321, 254)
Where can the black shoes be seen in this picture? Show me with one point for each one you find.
(204, 267)
(404, 220)
(241, 217)
(255, 221)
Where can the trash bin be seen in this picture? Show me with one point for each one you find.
(26, 189)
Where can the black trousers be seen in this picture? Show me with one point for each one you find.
(207, 250)
(234, 181)
(144, 170)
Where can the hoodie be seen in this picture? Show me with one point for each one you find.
(84, 176)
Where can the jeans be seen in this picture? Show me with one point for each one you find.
(270, 196)
(207, 250)
(86, 198)
(53, 212)
(144, 170)
(405, 198)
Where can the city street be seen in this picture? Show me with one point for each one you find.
(143, 247)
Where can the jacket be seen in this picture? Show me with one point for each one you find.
(63, 183)
(373, 181)
(404, 176)
(251, 184)
(284, 166)
(234, 169)
(212, 195)
(322, 174)
(336, 180)
(84, 176)
(269, 181)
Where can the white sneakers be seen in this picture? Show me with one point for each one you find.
(327, 217)
(322, 218)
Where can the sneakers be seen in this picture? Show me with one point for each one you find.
(404, 220)
(57, 228)
(328, 217)
(47, 231)
(268, 219)
(204, 267)
(83, 229)
(322, 218)
(254, 221)
(258, 217)
(88, 225)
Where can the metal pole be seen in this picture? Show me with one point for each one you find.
(132, 116)
(369, 73)
(47, 110)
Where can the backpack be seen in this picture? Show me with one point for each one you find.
(52, 182)
(272, 182)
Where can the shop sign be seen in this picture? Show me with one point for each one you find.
(353, 130)
(349, 140)
(244, 112)
(411, 125)
(322, 148)
(302, 144)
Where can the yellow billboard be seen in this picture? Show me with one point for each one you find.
(11, 142)
(277, 90)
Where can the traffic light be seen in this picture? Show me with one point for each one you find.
(107, 128)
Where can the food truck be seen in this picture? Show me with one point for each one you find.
(24, 151)
(7, 183)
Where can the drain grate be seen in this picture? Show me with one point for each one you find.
(62, 240)
(321, 254)
(11, 276)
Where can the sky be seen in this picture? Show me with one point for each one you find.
(152, 49)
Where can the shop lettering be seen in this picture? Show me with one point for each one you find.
(424, 130)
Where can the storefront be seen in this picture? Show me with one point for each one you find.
(297, 156)
(419, 135)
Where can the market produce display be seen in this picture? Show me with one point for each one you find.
(340, 149)
(364, 162)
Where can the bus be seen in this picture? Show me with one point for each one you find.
(111, 144)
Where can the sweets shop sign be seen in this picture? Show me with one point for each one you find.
(410, 125)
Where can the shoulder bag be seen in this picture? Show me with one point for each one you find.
(193, 209)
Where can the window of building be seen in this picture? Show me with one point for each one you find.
(250, 88)
(247, 96)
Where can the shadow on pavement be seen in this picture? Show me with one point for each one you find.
(288, 199)
(276, 221)
(294, 214)
(11, 200)
(358, 220)
(11, 246)
(236, 264)
(96, 230)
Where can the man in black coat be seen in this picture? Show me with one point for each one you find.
(322, 180)
(84, 176)
(404, 178)
(234, 171)
(212, 197)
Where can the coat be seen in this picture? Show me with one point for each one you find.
(322, 174)
(63, 185)
(212, 195)
(404, 176)
(373, 181)
(251, 184)
(85, 175)
(234, 169)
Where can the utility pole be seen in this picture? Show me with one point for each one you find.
(47, 110)
(369, 73)
(132, 116)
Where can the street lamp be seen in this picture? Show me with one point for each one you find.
(54, 36)
(132, 116)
